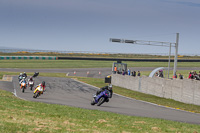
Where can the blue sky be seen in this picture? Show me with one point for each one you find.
(87, 25)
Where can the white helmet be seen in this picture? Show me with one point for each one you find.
(20, 73)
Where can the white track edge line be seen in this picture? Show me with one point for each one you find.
(15, 92)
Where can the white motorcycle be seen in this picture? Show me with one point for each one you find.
(31, 84)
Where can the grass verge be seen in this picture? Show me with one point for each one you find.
(37, 64)
(24, 116)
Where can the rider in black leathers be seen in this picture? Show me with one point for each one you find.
(109, 88)
(20, 77)
(24, 75)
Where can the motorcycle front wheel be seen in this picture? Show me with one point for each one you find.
(101, 101)
(23, 89)
(36, 95)
(93, 102)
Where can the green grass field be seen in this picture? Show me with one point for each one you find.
(36, 64)
(62, 64)
(23, 116)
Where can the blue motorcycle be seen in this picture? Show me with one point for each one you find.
(101, 98)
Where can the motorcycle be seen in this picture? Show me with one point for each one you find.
(101, 98)
(23, 86)
(31, 84)
(38, 91)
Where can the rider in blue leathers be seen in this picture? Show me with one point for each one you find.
(109, 88)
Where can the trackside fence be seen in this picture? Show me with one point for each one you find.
(186, 90)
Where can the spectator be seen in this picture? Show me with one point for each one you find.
(138, 73)
(129, 72)
(160, 73)
(156, 74)
(133, 73)
(190, 75)
(180, 76)
(115, 69)
(175, 76)
(126, 72)
(196, 76)
(118, 72)
(123, 72)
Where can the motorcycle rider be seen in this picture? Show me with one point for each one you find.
(20, 77)
(21, 81)
(24, 75)
(108, 87)
(42, 85)
(30, 79)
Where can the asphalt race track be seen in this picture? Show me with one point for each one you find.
(70, 92)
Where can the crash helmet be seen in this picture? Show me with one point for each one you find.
(24, 72)
(31, 78)
(110, 87)
(20, 74)
(43, 83)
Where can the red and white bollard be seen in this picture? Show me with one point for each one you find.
(99, 73)
(74, 72)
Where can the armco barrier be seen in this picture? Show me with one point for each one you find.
(28, 58)
(186, 90)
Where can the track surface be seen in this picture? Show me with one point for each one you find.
(70, 92)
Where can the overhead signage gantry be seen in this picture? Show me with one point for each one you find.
(155, 43)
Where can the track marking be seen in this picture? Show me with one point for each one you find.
(15, 92)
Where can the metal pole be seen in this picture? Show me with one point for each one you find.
(169, 59)
(176, 54)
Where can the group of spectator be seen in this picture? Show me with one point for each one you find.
(194, 75)
(128, 72)
(159, 74)
(131, 73)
